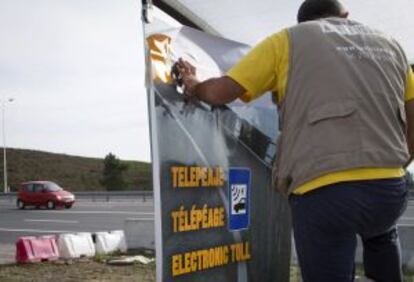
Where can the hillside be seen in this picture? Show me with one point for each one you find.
(72, 172)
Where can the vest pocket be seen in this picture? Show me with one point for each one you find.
(334, 128)
(331, 111)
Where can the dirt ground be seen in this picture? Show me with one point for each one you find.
(83, 270)
(92, 270)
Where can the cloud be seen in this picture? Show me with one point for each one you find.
(76, 71)
(75, 67)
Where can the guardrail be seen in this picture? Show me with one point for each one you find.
(114, 195)
(97, 196)
(105, 196)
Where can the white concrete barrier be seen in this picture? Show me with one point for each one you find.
(109, 242)
(76, 245)
(139, 233)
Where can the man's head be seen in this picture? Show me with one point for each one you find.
(317, 9)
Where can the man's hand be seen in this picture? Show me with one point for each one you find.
(214, 91)
(188, 74)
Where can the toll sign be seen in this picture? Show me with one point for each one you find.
(238, 188)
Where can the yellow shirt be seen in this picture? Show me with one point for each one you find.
(265, 68)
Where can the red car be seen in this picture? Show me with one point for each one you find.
(43, 193)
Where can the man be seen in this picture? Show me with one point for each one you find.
(345, 96)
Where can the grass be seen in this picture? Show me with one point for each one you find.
(95, 269)
(79, 270)
(72, 172)
(83, 269)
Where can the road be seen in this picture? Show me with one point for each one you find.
(408, 216)
(87, 217)
(83, 217)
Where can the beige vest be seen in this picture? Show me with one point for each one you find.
(344, 103)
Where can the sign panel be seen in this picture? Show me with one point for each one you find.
(218, 218)
(239, 188)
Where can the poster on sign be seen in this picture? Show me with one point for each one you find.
(217, 215)
(238, 183)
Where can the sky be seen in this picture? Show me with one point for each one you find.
(252, 21)
(76, 71)
(75, 68)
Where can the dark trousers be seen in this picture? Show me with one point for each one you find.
(327, 220)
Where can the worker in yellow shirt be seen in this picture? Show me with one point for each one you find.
(345, 98)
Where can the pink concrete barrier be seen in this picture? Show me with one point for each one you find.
(36, 249)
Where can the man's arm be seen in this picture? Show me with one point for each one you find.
(214, 91)
(218, 91)
(409, 109)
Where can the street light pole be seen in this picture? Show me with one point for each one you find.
(3, 104)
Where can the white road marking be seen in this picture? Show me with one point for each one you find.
(143, 219)
(406, 218)
(2, 229)
(404, 225)
(97, 212)
(35, 230)
(6, 255)
(51, 220)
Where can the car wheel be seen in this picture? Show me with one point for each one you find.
(68, 206)
(50, 205)
(20, 204)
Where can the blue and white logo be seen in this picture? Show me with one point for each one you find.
(238, 199)
(239, 186)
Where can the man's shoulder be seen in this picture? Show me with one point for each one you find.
(280, 36)
(336, 25)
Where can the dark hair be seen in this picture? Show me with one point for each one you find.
(317, 9)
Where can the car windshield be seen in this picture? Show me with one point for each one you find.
(52, 187)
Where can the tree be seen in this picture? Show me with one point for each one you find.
(113, 173)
